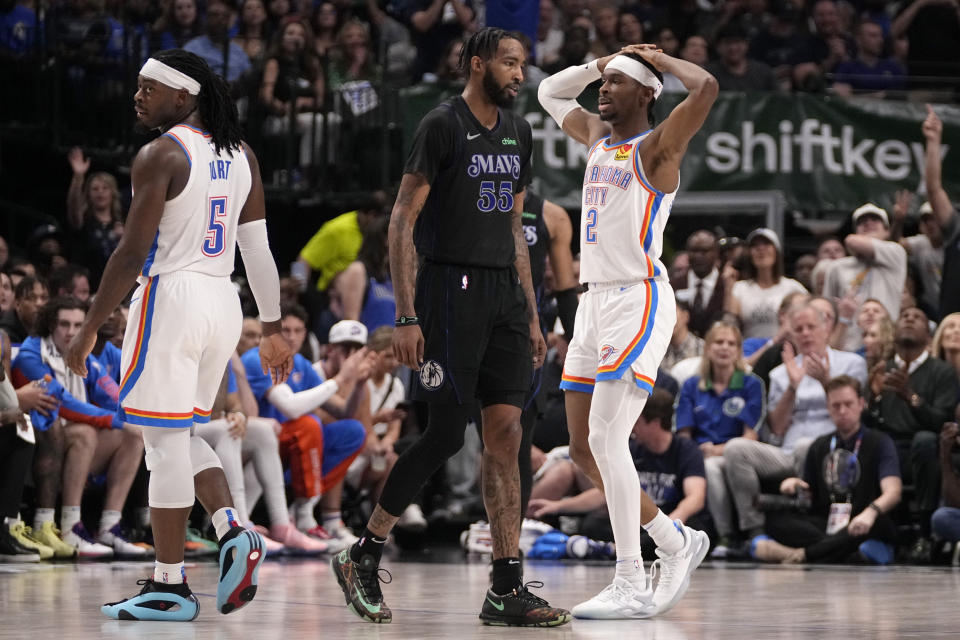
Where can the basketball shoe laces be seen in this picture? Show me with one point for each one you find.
(666, 572)
(370, 583)
(525, 595)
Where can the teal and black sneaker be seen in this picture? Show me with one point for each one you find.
(520, 608)
(156, 601)
(360, 583)
(241, 554)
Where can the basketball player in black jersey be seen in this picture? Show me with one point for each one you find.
(467, 319)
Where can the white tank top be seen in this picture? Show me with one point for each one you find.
(621, 229)
(198, 230)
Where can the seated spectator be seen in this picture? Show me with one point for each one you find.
(71, 280)
(722, 403)
(179, 24)
(277, 12)
(822, 51)
(766, 357)
(93, 209)
(702, 288)
(670, 470)
(933, 30)
(848, 514)
(364, 288)
(946, 342)
(755, 294)
(448, 72)
(778, 42)
(869, 71)
(574, 50)
(679, 267)
(326, 24)
(734, 71)
(293, 84)
(876, 268)
(434, 23)
(797, 413)
(29, 296)
(353, 68)
(227, 59)
(252, 34)
(45, 248)
(18, 268)
(696, 50)
(878, 342)
(803, 270)
(945, 521)
(630, 30)
(318, 454)
(83, 437)
(683, 343)
(910, 397)
(6, 294)
(828, 250)
(606, 41)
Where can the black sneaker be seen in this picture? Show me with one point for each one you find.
(360, 583)
(520, 608)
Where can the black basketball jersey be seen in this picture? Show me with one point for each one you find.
(538, 238)
(474, 173)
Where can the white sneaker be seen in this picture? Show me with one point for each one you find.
(620, 600)
(342, 533)
(83, 542)
(477, 538)
(412, 519)
(675, 568)
(113, 538)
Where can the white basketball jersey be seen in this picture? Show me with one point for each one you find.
(621, 230)
(198, 230)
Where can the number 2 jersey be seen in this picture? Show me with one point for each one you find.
(621, 228)
(198, 230)
(474, 174)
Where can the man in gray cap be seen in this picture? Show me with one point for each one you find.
(876, 268)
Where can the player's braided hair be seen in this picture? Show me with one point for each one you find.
(217, 110)
(483, 43)
(653, 101)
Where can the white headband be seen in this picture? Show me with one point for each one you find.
(164, 74)
(637, 71)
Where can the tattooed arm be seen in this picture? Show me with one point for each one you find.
(408, 340)
(538, 348)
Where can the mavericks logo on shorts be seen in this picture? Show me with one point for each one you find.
(431, 375)
(733, 406)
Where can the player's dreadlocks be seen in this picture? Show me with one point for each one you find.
(483, 43)
(653, 101)
(217, 110)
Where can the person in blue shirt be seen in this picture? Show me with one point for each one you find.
(210, 46)
(83, 436)
(318, 453)
(721, 403)
(869, 72)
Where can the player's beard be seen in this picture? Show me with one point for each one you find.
(498, 95)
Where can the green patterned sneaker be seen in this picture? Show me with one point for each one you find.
(520, 608)
(360, 583)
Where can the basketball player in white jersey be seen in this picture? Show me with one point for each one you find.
(196, 193)
(626, 318)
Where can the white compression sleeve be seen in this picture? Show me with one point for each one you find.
(293, 405)
(558, 93)
(261, 269)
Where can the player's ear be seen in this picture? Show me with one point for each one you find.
(477, 65)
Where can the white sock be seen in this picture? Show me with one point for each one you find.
(665, 533)
(107, 519)
(69, 516)
(169, 573)
(332, 521)
(223, 520)
(41, 516)
(303, 512)
(632, 570)
(9, 522)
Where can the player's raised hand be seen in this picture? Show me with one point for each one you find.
(408, 346)
(648, 52)
(276, 357)
(80, 347)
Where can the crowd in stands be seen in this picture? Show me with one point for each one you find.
(805, 411)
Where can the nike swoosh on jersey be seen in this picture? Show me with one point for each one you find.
(471, 137)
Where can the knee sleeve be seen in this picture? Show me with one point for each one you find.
(613, 412)
(202, 457)
(168, 457)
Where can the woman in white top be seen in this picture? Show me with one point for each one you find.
(756, 298)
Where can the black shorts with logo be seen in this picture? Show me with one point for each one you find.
(476, 335)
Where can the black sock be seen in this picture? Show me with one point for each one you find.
(507, 575)
(368, 545)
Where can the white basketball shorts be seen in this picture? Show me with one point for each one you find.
(181, 329)
(622, 331)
